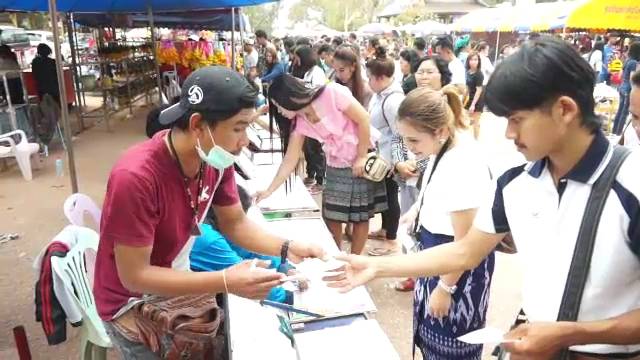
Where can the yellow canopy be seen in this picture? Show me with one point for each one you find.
(606, 14)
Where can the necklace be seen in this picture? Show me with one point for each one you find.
(193, 203)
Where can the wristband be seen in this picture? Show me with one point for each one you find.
(284, 251)
(449, 289)
(224, 279)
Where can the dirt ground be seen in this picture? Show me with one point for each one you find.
(34, 210)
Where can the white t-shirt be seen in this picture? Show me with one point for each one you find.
(315, 76)
(461, 181)
(458, 74)
(631, 139)
(487, 69)
(250, 60)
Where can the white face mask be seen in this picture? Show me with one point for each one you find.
(217, 157)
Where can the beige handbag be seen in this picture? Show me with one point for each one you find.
(376, 168)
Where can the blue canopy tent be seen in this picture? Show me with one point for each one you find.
(220, 20)
(110, 6)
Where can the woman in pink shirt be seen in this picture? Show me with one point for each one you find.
(331, 115)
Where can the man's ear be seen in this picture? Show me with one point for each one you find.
(566, 110)
(196, 123)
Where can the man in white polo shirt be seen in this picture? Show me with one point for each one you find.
(545, 90)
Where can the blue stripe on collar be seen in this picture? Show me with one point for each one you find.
(590, 162)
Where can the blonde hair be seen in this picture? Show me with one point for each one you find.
(430, 110)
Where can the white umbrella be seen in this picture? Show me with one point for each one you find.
(429, 27)
(376, 29)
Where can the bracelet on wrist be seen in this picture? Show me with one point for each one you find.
(448, 289)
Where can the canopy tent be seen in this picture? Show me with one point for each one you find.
(524, 18)
(219, 19)
(125, 6)
(606, 14)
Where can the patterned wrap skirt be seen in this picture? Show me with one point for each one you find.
(350, 199)
(437, 339)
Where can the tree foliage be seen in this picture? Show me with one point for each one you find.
(342, 15)
(262, 16)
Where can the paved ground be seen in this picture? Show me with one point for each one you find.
(34, 210)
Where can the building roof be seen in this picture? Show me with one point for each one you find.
(397, 7)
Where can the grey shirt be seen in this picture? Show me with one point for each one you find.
(388, 127)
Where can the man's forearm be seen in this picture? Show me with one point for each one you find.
(250, 236)
(169, 282)
(621, 330)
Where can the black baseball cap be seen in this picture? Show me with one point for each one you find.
(211, 89)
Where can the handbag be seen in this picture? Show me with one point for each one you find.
(376, 168)
(583, 251)
(183, 327)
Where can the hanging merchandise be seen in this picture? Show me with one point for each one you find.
(167, 53)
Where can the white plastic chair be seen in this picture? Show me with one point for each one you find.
(22, 151)
(76, 205)
(72, 269)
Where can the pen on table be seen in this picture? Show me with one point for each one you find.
(290, 308)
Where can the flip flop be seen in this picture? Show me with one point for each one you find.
(382, 252)
(377, 235)
(405, 285)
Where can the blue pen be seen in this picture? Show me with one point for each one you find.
(287, 307)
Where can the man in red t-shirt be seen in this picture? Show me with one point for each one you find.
(158, 193)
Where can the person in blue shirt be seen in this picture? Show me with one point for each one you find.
(213, 252)
(630, 66)
(274, 67)
(609, 52)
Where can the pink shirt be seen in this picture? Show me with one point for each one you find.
(336, 131)
(147, 205)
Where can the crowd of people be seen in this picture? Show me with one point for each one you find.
(338, 101)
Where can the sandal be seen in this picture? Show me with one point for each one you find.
(382, 251)
(316, 189)
(378, 235)
(405, 285)
(309, 181)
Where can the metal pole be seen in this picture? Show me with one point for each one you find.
(155, 54)
(233, 39)
(53, 13)
(74, 64)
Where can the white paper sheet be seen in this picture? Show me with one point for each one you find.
(487, 335)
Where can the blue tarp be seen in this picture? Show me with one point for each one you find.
(125, 6)
(208, 19)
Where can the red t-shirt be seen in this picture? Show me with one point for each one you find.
(147, 205)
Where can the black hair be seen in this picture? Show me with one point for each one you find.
(541, 71)
(292, 93)
(444, 42)
(381, 64)
(326, 48)
(472, 54)
(261, 34)
(411, 56)
(245, 202)
(307, 58)
(442, 65)
(353, 36)
(153, 125)
(288, 43)
(303, 41)
(599, 45)
(44, 50)
(420, 43)
(337, 41)
(635, 79)
(374, 42)
(634, 51)
(482, 45)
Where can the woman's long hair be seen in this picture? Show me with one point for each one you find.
(347, 55)
(292, 94)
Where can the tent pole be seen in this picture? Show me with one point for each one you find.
(497, 48)
(241, 42)
(53, 13)
(233, 39)
(74, 64)
(155, 54)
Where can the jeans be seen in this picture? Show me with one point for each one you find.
(316, 163)
(129, 350)
(391, 217)
(623, 113)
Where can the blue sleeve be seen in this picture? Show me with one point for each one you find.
(211, 251)
(277, 70)
(248, 255)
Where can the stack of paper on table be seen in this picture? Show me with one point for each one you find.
(296, 197)
(359, 340)
(254, 331)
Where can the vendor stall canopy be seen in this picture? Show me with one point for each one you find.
(125, 6)
(207, 19)
(582, 14)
